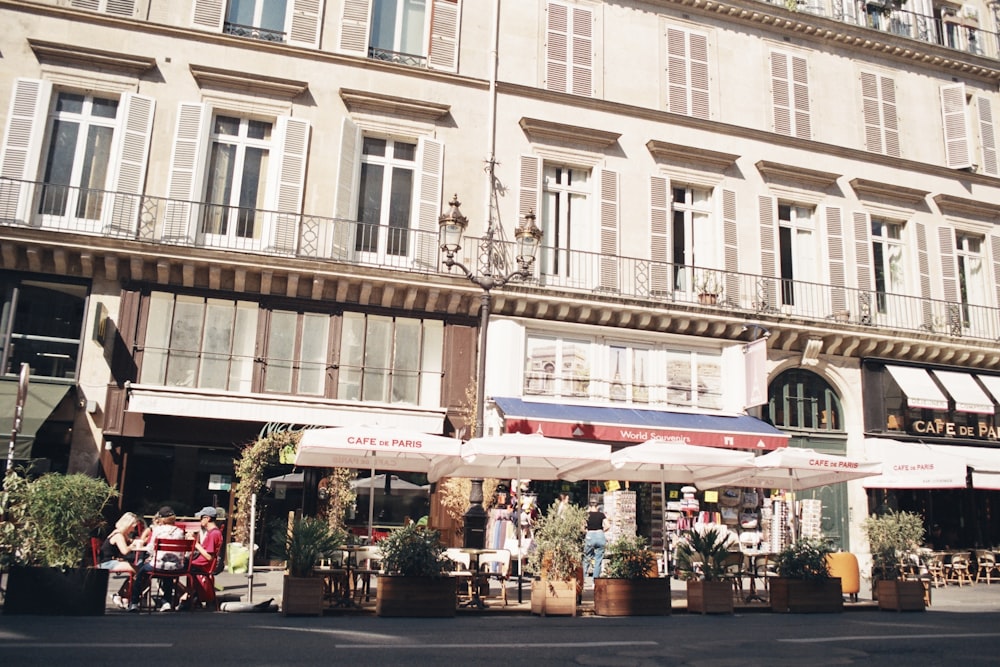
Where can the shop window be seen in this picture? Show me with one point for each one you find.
(557, 367)
(628, 369)
(297, 350)
(802, 400)
(390, 359)
(694, 379)
(41, 325)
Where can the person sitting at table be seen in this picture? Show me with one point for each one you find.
(164, 528)
(118, 553)
(203, 561)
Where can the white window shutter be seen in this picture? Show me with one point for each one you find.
(687, 73)
(293, 133)
(121, 7)
(871, 105)
(443, 50)
(22, 145)
(995, 251)
(862, 250)
(608, 183)
(187, 167)
(949, 270)
(529, 186)
(209, 14)
(427, 200)
(348, 181)
(306, 18)
(131, 153)
(659, 236)
(781, 96)
(956, 128)
(987, 136)
(800, 97)
(581, 52)
(924, 268)
(354, 27)
(699, 75)
(730, 241)
(890, 121)
(557, 48)
(835, 258)
(767, 208)
(90, 5)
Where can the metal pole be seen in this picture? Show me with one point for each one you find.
(253, 544)
(22, 395)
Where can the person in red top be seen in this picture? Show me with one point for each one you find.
(205, 553)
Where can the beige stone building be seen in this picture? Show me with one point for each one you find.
(218, 216)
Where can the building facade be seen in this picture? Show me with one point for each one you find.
(231, 210)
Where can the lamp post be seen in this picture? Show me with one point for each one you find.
(451, 227)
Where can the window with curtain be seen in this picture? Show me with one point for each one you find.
(691, 235)
(397, 30)
(81, 132)
(236, 180)
(385, 197)
(887, 258)
(565, 219)
(797, 247)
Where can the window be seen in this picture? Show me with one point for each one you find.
(421, 33)
(557, 367)
(691, 235)
(196, 342)
(687, 73)
(797, 251)
(628, 374)
(569, 49)
(565, 219)
(297, 349)
(237, 169)
(41, 323)
(790, 95)
(801, 399)
(390, 359)
(878, 99)
(694, 379)
(887, 260)
(259, 19)
(81, 131)
(385, 197)
(971, 278)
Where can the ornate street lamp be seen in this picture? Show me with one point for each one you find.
(451, 226)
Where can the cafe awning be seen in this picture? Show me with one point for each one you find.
(983, 462)
(630, 425)
(42, 399)
(913, 465)
(919, 387)
(969, 396)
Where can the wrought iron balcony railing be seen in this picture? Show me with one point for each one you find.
(253, 32)
(157, 220)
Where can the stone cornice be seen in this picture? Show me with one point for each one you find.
(363, 100)
(775, 171)
(547, 131)
(701, 157)
(87, 58)
(256, 84)
(870, 189)
(949, 204)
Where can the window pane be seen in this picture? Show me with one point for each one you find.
(640, 376)
(227, 125)
(369, 208)
(154, 357)
(46, 330)
(185, 341)
(95, 172)
(406, 361)
(575, 368)
(399, 211)
(241, 12)
(103, 108)
(315, 334)
(433, 350)
(217, 344)
(280, 352)
(679, 378)
(220, 186)
(709, 383)
(352, 340)
(244, 340)
(69, 103)
(540, 366)
(59, 167)
(273, 15)
(378, 348)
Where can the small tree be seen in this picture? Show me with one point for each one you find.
(629, 558)
(891, 538)
(805, 559)
(308, 541)
(558, 543)
(702, 552)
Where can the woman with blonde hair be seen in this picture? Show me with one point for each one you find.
(117, 552)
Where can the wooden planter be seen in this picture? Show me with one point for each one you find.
(631, 597)
(425, 597)
(799, 596)
(900, 595)
(553, 598)
(53, 592)
(302, 596)
(709, 597)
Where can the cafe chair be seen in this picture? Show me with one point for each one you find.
(202, 584)
(368, 561)
(461, 569)
(495, 565)
(959, 569)
(732, 571)
(936, 570)
(165, 549)
(986, 562)
(125, 590)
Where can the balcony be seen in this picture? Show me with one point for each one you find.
(633, 281)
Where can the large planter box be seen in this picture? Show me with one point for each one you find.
(800, 596)
(52, 592)
(900, 595)
(631, 597)
(553, 598)
(302, 596)
(709, 597)
(427, 597)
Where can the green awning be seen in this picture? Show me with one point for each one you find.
(41, 400)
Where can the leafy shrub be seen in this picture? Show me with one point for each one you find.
(702, 552)
(558, 543)
(310, 540)
(805, 559)
(629, 558)
(413, 551)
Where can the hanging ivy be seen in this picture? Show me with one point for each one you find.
(280, 447)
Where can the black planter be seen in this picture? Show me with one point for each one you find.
(52, 592)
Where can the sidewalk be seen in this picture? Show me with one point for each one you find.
(267, 586)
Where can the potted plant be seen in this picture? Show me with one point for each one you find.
(631, 585)
(701, 560)
(306, 543)
(894, 538)
(557, 560)
(708, 285)
(804, 584)
(414, 580)
(44, 544)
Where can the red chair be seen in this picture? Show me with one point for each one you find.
(125, 591)
(202, 584)
(165, 551)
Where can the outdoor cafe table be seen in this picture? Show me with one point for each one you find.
(339, 581)
(477, 577)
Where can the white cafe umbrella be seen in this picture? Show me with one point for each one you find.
(384, 448)
(663, 462)
(527, 456)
